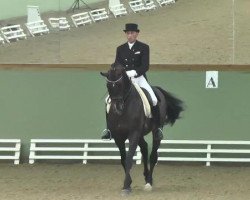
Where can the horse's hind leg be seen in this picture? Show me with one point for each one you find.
(153, 157)
(144, 151)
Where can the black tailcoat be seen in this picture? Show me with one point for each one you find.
(136, 58)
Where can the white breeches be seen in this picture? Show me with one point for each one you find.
(142, 82)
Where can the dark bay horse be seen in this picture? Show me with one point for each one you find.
(126, 120)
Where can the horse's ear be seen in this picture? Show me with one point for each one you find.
(105, 74)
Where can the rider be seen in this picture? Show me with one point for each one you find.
(134, 56)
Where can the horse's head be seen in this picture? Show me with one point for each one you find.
(118, 84)
(117, 81)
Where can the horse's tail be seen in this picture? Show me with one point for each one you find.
(174, 107)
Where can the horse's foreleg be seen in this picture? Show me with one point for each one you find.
(144, 151)
(133, 142)
(122, 150)
(153, 158)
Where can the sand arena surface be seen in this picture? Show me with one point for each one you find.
(104, 181)
(188, 32)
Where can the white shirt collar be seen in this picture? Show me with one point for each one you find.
(130, 45)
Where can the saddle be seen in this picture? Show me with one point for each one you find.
(146, 100)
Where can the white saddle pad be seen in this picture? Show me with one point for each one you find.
(146, 105)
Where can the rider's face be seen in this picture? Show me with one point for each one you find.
(131, 36)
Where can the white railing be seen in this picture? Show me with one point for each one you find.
(204, 151)
(61, 23)
(10, 150)
(136, 5)
(98, 14)
(81, 19)
(79, 149)
(1, 40)
(94, 149)
(165, 2)
(13, 32)
(149, 5)
(118, 10)
(38, 27)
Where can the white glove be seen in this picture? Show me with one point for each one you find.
(131, 73)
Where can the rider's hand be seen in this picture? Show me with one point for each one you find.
(131, 73)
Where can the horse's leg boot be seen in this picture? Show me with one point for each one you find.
(157, 122)
(106, 134)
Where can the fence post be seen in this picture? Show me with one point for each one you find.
(208, 155)
(85, 153)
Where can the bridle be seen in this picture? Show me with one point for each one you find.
(123, 98)
(113, 82)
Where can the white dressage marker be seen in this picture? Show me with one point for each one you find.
(13, 32)
(79, 149)
(117, 8)
(165, 2)
(61, 23)
(35, 24)
(99, 14)
(8, 147)
(33, 14)
(81, 19)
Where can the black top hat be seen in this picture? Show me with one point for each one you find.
(131, 27)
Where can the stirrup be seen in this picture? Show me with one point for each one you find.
(106, 134)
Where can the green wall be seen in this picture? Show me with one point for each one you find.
(69, 103)
(17, 8)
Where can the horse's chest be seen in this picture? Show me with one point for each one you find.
(119, 124)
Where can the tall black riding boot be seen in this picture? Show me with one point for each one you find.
(106, 133)
(157, 122)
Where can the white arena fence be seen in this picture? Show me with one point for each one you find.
(207, 151)
(76, 149)
(10, 150)
(170, 150)
(204, 151)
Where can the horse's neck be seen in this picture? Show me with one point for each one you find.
(128, 87)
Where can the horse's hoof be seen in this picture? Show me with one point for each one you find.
(148, 187)
(126, 192)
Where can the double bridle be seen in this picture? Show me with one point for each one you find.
(123, 99)
(114, 82)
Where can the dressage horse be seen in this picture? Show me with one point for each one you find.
(126, 120)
